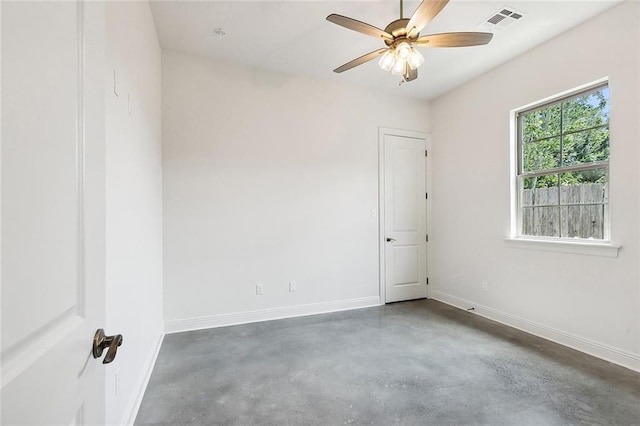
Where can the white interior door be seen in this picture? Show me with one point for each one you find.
(404, 216)
(52, 211)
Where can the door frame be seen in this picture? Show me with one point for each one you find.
(382, 131)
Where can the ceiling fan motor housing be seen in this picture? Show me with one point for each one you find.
(398, 29)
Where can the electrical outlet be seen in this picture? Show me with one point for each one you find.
(485, 286)
(292, 286)
(259, 289)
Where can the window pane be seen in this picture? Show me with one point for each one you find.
(589, 110)
(541, 221)
(586, 146)
(540, 210)
(582, 221)
(541, 155)
(584, 198)
(580, 187)
(542, 123)
(540, 190)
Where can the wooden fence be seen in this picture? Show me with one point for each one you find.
(581, 212)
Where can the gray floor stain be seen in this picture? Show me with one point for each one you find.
(411, 363)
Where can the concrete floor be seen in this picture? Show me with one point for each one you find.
(411, 363)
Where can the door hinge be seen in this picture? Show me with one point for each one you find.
(426, 195)
(427, 280)
(427, 237)
(426, 153)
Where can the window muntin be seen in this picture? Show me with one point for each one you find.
(563, 167)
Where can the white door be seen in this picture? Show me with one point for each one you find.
(404, 227)
(52, 211)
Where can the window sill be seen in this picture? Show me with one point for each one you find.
(605, 249)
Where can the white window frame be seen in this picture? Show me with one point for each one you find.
(603, 247)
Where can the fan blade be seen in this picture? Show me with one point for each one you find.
(453, 40)
(411, 74)
(358, 26)
(361, 60)
(427, 10)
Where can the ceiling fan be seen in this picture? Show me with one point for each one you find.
(400, 36)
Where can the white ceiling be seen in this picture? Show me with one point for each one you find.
(293, 36)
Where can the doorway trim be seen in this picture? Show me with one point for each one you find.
(382, 131)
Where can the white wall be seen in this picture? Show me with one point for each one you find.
(269, 178)
(589, 302)
(134, 203)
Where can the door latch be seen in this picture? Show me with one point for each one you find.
(102, 342)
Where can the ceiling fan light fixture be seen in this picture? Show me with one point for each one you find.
(388, 60)
(403, 51)
(399, 67)
(415, 59)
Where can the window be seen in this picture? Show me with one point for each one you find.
(563, 167)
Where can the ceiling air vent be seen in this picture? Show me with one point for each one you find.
(501, 19)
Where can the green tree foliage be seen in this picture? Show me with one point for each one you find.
(575, 131)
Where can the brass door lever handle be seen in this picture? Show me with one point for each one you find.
(102, 342)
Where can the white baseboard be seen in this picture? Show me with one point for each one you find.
(222, 320)
(599, 350)
(131, 412)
